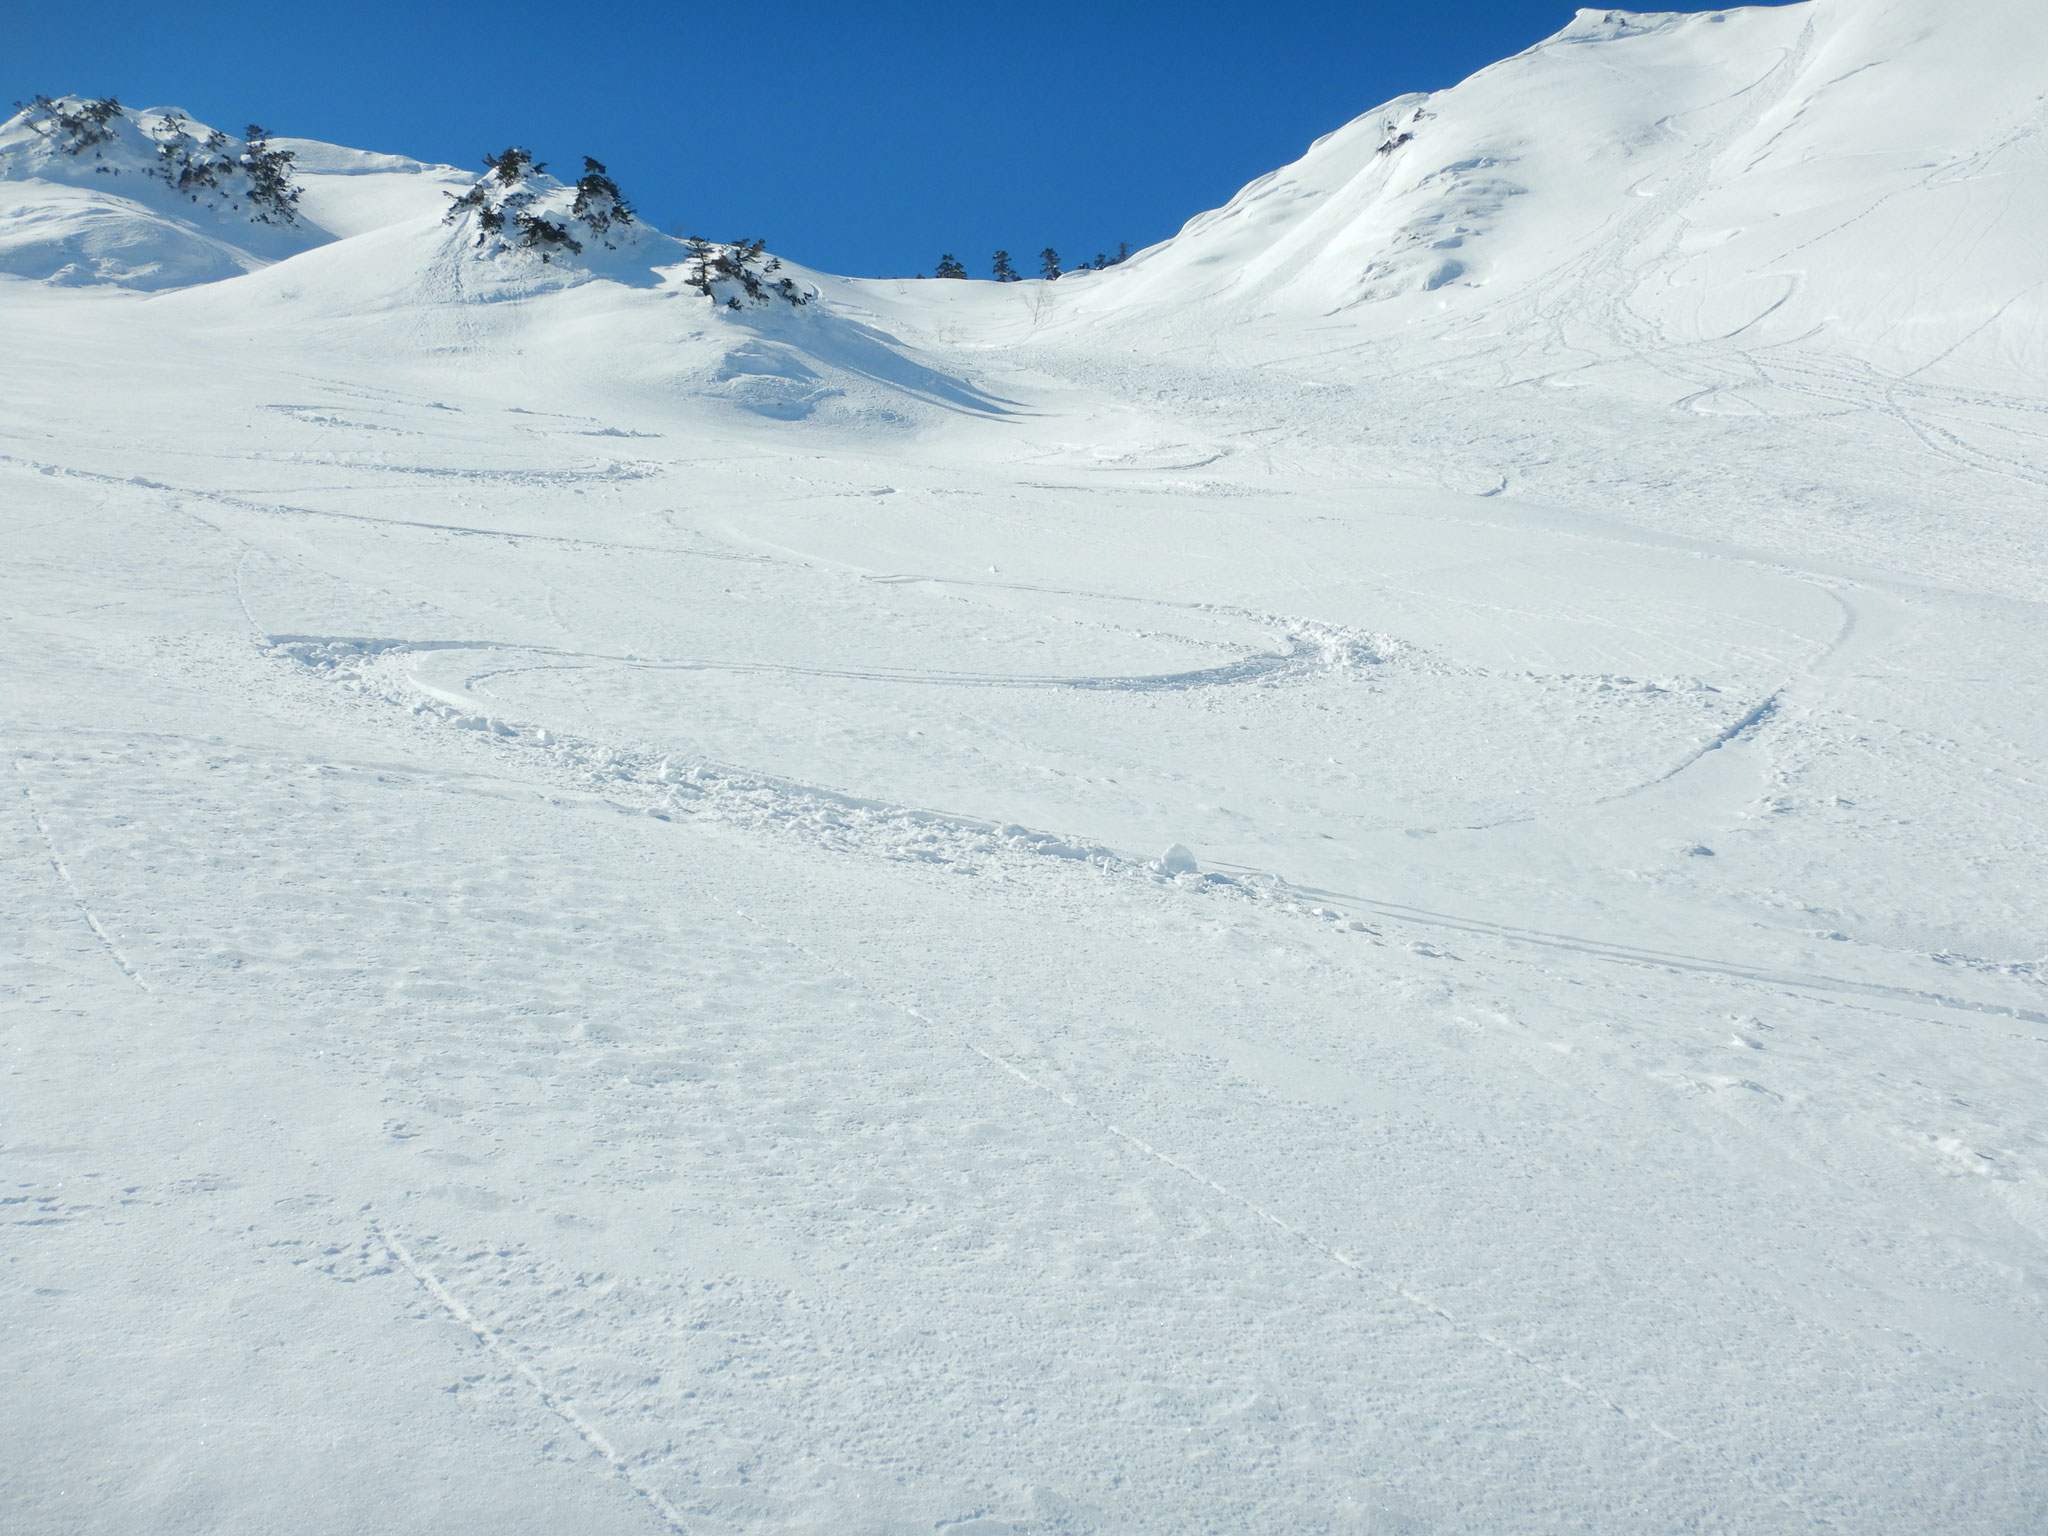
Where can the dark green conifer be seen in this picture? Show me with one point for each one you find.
(74, 129)
(272, 194)
(599, 203)
(700, 264)
(513, 165)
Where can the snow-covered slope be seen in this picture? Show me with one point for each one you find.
(1274, 890)
(371, 248)
(122, 208)
(1862, 172)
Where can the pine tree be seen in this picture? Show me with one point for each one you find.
(734, 264)
(1049, 262)
(1005, 273)
(513, 165)
(474, 200)
(700, 258)
(599, 202)
(544, 235)
(501, 198)
(271, 191)
(949, 267)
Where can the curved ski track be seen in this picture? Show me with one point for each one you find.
(646, 782)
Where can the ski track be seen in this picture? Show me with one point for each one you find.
(63, 871)
(625, 775)
(1836, 1269)
(495, 1341)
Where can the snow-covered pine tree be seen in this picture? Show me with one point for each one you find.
(1049, 262)
(272, 194)
(700, 264)
(1005, 273)
(477, 200)
(732, 264)
(187, 164)
(74, 129)
(503, 200)
(513, 166)
(534, 232)
(738, 275)
(599, 203)
(949, 267)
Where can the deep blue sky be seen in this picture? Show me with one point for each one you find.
(859, 138)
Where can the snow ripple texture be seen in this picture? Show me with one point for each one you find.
(1383, 871)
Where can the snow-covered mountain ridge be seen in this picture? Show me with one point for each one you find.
(114, 212)
(1862, 172)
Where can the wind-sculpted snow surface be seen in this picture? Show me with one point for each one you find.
(1856, 172)
(1279, 889)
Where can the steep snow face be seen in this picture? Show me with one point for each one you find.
(1854, 167)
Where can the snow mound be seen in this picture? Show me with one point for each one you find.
(518, 219)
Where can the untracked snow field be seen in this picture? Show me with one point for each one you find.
(966, 910)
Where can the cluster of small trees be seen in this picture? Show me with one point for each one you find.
(503, 205)
(195, 166)
(599, 202)
(746, 265)
(1048, 264)
(506, 204)
(269, 169)
(503, 202)
(257, 174)
(76, 129)
(190, 165)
